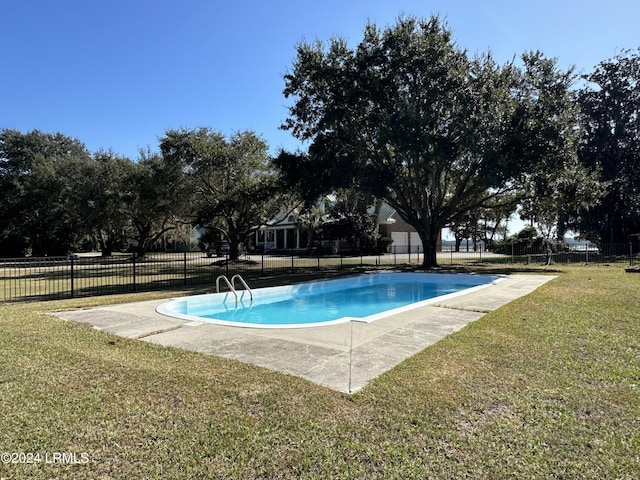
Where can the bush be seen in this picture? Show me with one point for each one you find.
(526, 240)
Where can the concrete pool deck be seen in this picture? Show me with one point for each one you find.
(343, 357)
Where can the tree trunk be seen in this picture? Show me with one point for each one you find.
(561, 228)
(458, 243)
(234, 249)
(38, 248)
(430, 259)
(143, 243)
(106, 244)
(430, 244)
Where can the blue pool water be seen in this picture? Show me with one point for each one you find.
(364, 297)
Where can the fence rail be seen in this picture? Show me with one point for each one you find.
(46, 278)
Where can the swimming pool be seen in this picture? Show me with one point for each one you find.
(365, 298)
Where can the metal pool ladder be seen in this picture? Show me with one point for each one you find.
(231, 284)
(238, 277)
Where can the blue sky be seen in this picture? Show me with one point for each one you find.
(116, 74)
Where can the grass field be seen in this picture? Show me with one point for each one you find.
(545, 387)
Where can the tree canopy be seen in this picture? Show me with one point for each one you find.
(55, 196)
(41, 175)
(610, 105)
(409, 117)
(156, 198)
(236, 185)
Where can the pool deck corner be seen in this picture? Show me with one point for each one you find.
(344, 357)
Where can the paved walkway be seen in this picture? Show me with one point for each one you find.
(342, 357)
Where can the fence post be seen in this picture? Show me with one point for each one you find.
(262, 262)
(292, 267)
(631, 254)
(133, 260)
(72, 277)
(185, 267)
(586, 253)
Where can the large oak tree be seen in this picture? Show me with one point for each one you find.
(409, 117)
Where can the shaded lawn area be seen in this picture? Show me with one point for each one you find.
(545, 387)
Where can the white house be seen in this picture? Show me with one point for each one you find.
(286, 232)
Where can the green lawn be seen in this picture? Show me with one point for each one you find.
(545, 387)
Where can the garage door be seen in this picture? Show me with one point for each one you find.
(400, 242)
(416, 243)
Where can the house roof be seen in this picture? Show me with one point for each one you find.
(387, 212)
(290, 217)
(284, 217)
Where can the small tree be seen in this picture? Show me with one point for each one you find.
(526, 241)
(311, 220)
(351, 219)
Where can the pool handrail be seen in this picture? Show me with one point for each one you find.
(244, 284)
(226, 280)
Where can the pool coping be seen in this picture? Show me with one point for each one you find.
(344, 357)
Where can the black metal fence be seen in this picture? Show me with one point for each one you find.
(81, 276)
